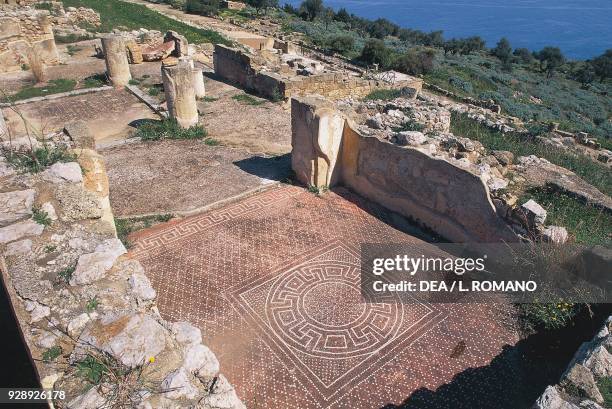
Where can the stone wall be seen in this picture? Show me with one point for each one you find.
(20, 29)
(448, 199)
(578, 386)
(242, 68)
(78, 296)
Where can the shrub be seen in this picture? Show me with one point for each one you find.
(376, 52)
(66, 273)
(342, 43)
(410, 126)
(248, 99)
(538, 316)
(461, 84)
(415, 62)
(52, 353)
(40, 216)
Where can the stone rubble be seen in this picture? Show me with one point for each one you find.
(74, 288)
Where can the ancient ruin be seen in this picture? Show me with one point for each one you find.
(183, 223)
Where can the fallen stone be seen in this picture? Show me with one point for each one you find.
(181, 47)
(185, 333)
(37, 311)
(555, 234)
(551, 399)
(132, 339)
(505, 158)
(134, 52)
(92, 266)
(201, 361)
(64, 172)
(20, 230)
(535, 214)
(76, 325)
(411, 138)
(179, 385)
(580, 380)
(159, 52)
(599, 362)
(18, 248)
(77, 203)
(48, 208)
(141, 287)
(15, 206)
(495, 183)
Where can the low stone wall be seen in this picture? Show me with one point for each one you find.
(578, 386)
(22, 29)
(490, 104)
(79, 298)
(241, 68)
(450, 200)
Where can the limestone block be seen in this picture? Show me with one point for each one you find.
(64, 172)
(141, 287)
(185, 333)
(15, 206)
(180, 93)
(9, 28)
(179, 385)
(20, 230)
(92, 266)
(117, 64)
(134, 52)
(316, 135)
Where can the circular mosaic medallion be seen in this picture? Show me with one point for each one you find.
(317, 308)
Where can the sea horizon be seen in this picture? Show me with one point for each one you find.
(582, 30)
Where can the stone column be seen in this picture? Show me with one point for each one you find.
(180, 93)
(117, 66)
(198, 83)
(37, 65)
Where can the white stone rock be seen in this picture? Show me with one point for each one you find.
(18, 248)
(15, 206)
(64, 172)
(534, 212)
(132, 339)
(599, 362)
(411, 138)
(201, 361)
(496, 184)
(89, 400)
(76, 325)
(551, 399)
(48, 208)
(223, 396)
(92, 266)
(46, 340)
(555, 234)
(179, 385)
(185, 333)
(37, 311)
(141, 286)
(20, 230)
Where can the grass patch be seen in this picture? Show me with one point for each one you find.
(73, 49)
(248, 99)
(210, 99)
(92, 304)
(410, 126)
(50, 248)
(66, 273)
(116, 13)
(211, 142)
(549, 316)
(168, 129)
(595, 173)
(127, 226)
(588, 224)
(39, 159)
(71, 38)
(605, 387)
(383, 95)
(40, 216)
(53, 87)
(51, 354)
(95, 81)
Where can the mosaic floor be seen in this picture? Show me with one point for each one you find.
(273, 282)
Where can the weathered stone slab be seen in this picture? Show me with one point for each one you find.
(15, 206)
(20, 230)
(92, 266)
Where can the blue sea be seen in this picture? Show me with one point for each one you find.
(581, 28)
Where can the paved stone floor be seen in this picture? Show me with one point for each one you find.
(108, 114)
(181, 176)
(273, 283)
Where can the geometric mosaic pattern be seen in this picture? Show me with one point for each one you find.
(313, 314)
(273, 283)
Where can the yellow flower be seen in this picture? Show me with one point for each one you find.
(152, 359)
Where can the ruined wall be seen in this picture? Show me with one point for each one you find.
(450, 200)
(76, 294)
(20, 29)
(239, 67)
